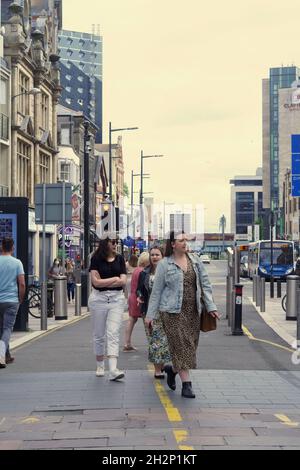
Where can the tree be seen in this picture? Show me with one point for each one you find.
(126, 190)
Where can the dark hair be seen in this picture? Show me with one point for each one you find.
(171, 239)
(159, 248)
(102, 251)
(7, 245)
(133, 261)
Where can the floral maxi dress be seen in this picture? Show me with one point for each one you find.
(183, 329)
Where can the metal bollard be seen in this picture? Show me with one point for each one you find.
(263, 295)
(78, 300)
(237, 324)
(227, 296)
(278, 289)
(60, 298)
(254, 288)
(291, 295)
(258, 292)
(272, 287)
(229, 300)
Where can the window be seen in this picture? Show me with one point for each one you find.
(44, 168)
(23, 91)
(68, 77)
(68, 100)
(80, 78)
(69, 52)
(68, 65)
(65, 137)
(64, 172)
(68, 89)
(81, 54)
(45, 111)
(23, 168)
(80, 90)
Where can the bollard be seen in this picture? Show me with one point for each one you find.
(237, 325)
(227, 296)
(60, 298)
(258, 291)
(78, 300)
(278, 289)
(263, 295)
(254, 288)
(272, 287)
(229, 300)
(291, 296)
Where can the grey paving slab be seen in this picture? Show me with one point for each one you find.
(263, 441)
(10, 445)
(65, 444)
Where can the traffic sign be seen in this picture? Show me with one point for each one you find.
(295, 144)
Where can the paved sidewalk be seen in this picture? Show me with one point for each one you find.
(275, 316)
(21, 337)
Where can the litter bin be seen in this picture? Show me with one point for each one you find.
(292, 297)
(50, 304)
(60, 298)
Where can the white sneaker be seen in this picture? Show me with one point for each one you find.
(100, 372)
(116, 375)
(2, 362)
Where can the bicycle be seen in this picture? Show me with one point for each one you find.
(284, 302)
(35, 301)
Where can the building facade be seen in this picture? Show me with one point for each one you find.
(81, 74)
(30, 31)
(291, 207)
(246, 203)
(280, 78)
(5, 132)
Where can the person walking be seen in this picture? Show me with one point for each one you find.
(12, 294)
(106, 304)
(133, 307)
(70, 280)
(159, 353)
(180, 283)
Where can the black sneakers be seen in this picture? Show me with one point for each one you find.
(187, 391)
(171, 377)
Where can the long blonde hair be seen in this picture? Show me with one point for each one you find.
(144, 260)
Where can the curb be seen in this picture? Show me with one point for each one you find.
(276, 327)
(38, 334)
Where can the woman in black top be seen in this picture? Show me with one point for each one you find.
(106, 304)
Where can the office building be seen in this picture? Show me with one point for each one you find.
(81, 75)
(246, 204)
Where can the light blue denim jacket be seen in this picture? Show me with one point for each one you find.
(167, 292)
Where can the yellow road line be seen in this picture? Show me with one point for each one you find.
(250, 336)
(30, 420)
(174, 416)
(285, 420)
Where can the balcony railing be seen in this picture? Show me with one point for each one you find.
(4, 130)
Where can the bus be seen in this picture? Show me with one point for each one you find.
(284, 259)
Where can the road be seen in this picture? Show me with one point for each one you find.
(247, 392)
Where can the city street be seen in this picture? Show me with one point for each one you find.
(247, 392)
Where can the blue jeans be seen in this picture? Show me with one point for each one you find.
(8, 315)
(71, 290)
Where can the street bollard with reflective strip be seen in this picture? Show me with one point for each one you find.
(263, 295)
(254, 288)
(258, 291)
(237, 324)
(291, 297)
(78, 300)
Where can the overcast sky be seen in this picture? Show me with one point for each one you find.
(189, 75)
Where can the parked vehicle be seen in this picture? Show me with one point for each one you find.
(205, 259)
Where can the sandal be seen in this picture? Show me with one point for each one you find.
(129, 349)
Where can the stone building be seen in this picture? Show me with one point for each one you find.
(30, 32)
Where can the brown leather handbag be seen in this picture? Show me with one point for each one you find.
(207, 322)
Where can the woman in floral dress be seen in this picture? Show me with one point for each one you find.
(159, 353)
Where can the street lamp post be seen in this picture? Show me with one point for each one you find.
(86, 220)
(142, 188)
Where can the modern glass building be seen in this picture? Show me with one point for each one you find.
(246, 204)
(279, 78)
(81, 74)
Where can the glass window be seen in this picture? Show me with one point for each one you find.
(80, 78)
(65, 136)
(45, 111)
(68, 77)
(65, 172)
(23, 107)
(44, 168)
(23, 168)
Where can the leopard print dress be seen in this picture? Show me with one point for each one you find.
(183, 329)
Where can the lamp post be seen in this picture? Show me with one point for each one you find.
(111, 130)
(86, 220)
(142, 188)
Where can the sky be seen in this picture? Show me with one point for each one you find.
(189, 75)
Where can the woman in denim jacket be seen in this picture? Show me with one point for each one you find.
(180, 282)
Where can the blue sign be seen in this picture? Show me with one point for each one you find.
(296, 186)
(129, 242)
(296, 143)
(141, 244)
(295, 165)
